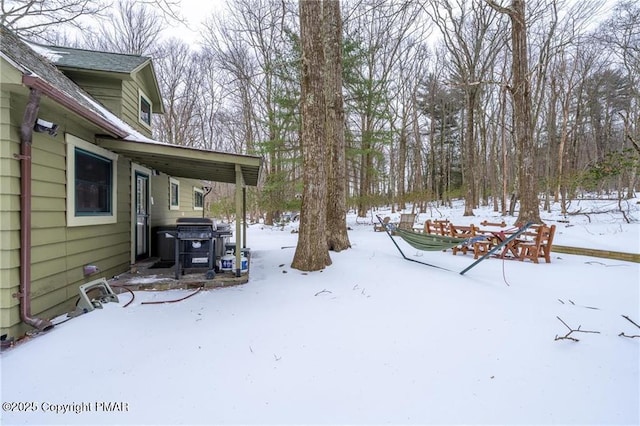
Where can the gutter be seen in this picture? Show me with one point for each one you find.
(26, 138)
(35, 83)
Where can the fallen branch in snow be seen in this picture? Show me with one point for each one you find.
(632, 322)
(580, 212)
(322, 291)
(571, 330)
(573, 303)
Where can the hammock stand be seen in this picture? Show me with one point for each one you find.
(431, 242)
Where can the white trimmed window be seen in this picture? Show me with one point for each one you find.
(198, 198)
(91, 183)
(144, 109)
(174, 194)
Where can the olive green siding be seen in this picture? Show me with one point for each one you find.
(58, 252)
(121, 97)
(161, 214)
(130, 105)
(9, 211)
(108, 91)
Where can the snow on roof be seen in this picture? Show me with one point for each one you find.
(134, 135)
(50, 54)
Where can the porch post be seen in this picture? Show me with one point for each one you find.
(239, 218)
(244, 216)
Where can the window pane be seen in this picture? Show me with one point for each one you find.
(145, 111)
(93, 182)
(198, 199)
(175, 197)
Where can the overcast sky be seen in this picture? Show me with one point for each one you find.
(195, 12)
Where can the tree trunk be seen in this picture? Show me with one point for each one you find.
(402, 163)
(311, 251)
(469, 155)
(337, 237)
(521, 92)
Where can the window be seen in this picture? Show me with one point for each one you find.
(174, 194)
(198, 198)
(144, 110)
(91, 183)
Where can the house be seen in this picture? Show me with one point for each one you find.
(82, 182)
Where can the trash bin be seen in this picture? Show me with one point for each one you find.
(164, 243)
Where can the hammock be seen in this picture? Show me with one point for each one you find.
(432, 242)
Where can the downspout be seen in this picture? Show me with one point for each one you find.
(26, 137)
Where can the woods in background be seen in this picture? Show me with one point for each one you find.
(429, 86)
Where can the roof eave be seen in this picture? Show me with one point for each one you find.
(68, 102)
(156, 85)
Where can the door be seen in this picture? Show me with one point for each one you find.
(142, 215)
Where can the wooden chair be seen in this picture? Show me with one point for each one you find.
(406, 221)
(427, 228)
(431, 227)
(442, 225)
(378, 227)
(546, 244)
(540, 246)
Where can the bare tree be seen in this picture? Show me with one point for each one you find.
(521, 92)
(473, 41)
(32, 18)
(621, 33)
(254, 45)
(134, 29)
(311, 252)
(406, 151)
(178, 73)
(47, 19)
(377, 29)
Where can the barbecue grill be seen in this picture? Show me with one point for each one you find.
(195, 245)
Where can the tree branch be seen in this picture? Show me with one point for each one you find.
(497, 7)
(632, 322)
(571, 330)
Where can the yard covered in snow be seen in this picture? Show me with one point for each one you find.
(371, 339)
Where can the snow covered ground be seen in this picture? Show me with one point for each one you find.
(371, 339)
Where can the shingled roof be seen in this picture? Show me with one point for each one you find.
(66, 57)
(37, 70)
(35, 63)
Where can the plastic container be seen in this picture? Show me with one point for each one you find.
(227, 261)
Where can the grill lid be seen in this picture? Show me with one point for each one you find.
(185, 222)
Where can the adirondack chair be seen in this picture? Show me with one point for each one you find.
(380, 227)
(540, 246)
(406, 221)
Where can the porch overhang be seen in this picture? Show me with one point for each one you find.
(179, 161)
